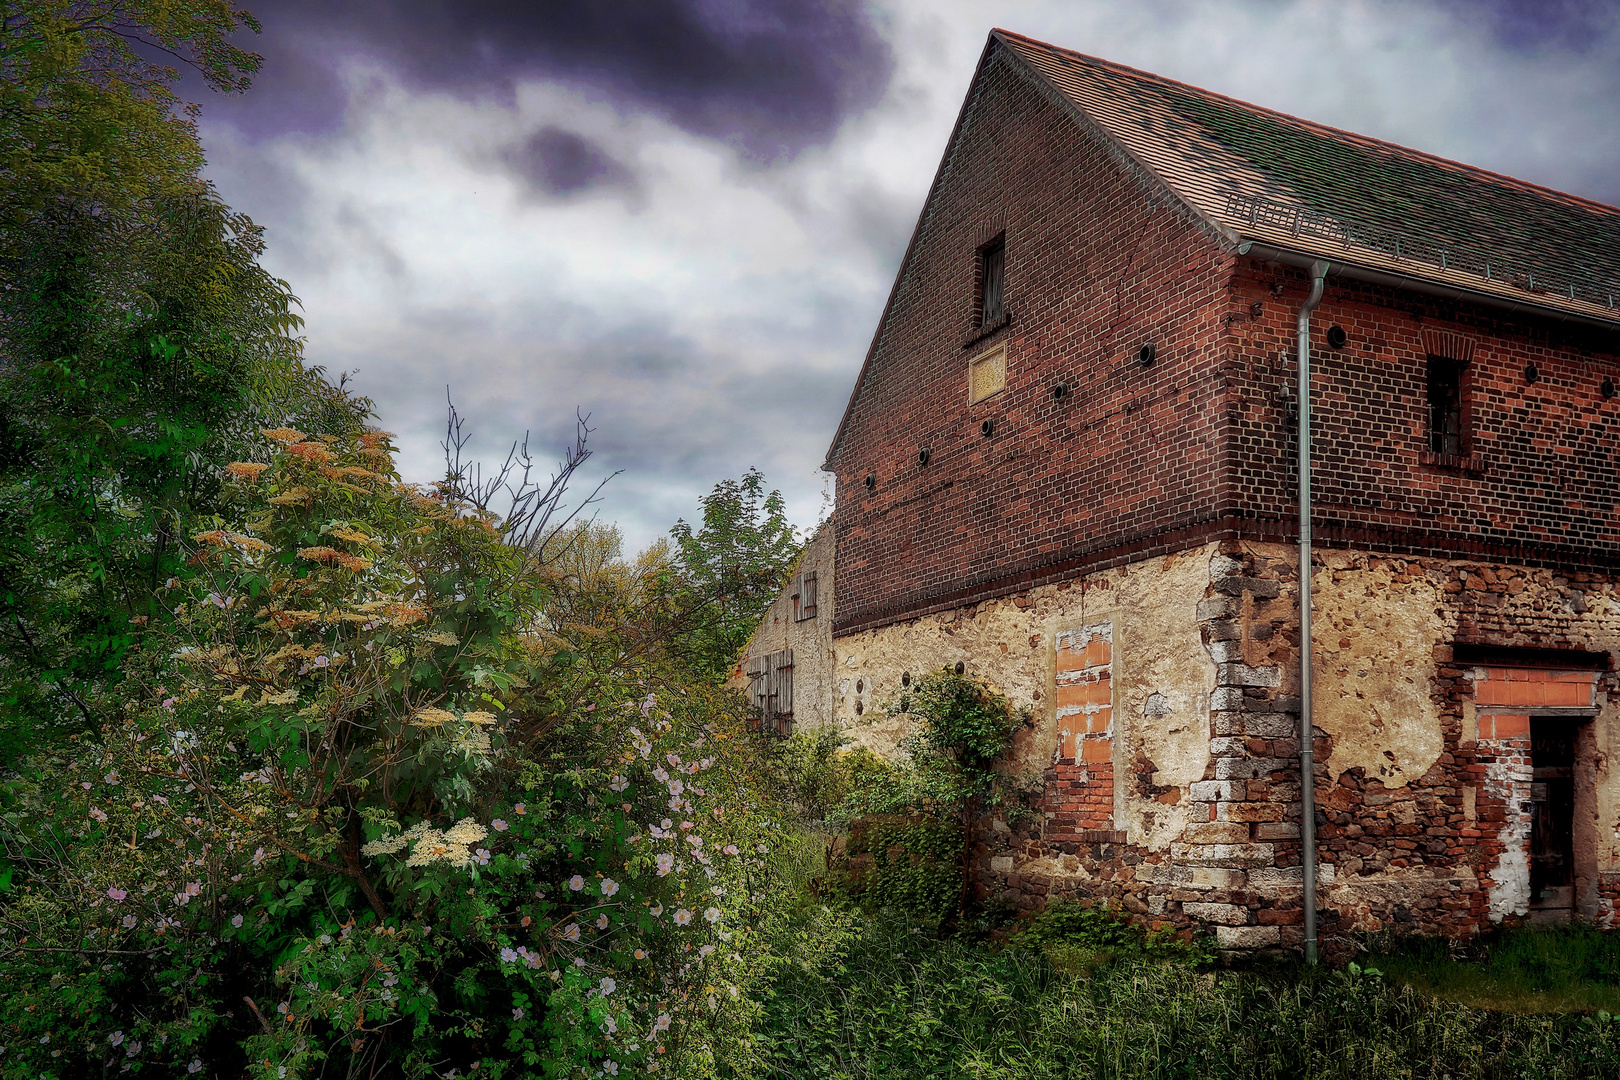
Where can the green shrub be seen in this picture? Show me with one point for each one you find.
(1074, 929)
(812, 770)
(911, 864)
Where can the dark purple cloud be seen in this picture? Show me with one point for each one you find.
(767, 76)
(1523, 25)
(559, 163)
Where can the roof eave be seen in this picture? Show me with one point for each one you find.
(1361, 272)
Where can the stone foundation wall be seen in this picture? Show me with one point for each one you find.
(1182, 672)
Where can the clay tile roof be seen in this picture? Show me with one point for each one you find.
(1265, 176)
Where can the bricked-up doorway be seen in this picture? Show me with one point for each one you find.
(1535, 726)
(1553, 741)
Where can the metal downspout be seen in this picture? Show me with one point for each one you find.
(1307, 748)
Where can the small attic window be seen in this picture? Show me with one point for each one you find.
(992, 283)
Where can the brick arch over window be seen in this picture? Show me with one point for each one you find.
(1448, 345)
(991, 227)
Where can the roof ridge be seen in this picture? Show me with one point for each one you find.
(1370, 141)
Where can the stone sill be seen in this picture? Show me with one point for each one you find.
(1473, 464)
(989, 328)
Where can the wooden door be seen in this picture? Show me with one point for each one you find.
(1552, 820)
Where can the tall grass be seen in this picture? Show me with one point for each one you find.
(1569, 969)
(897, 1003)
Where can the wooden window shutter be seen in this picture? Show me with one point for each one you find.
(770, 689)
(757, 668)
(804, 596)
(784, 684)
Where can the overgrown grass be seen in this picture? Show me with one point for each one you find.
(897, 1003)
(1574, 969)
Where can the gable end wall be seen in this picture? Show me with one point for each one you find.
(1097, 264)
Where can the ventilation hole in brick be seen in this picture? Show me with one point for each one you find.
(1059, 391)
(1146, 353)
(871, 482)
(1607, 388)
(1531, 373)
(988, 427)
(960, 667)
(1336, 337)
(922, 456)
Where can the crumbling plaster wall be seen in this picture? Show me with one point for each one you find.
(810, 639)
(1375, 638)
(1412, 790)
(1420, 830)
(1162, 676)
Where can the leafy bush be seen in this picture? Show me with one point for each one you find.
(816, 772)
(1068, 929)
(912, 864)
(961, 726)
(360, 792)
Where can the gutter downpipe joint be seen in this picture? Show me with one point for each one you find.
(1307, 735)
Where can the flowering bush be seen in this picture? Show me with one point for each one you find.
(370, 808)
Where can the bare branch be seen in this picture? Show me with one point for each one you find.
(532, 512)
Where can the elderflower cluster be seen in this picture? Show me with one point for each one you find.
(430, 845)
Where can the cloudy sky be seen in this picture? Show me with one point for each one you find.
(682, 216)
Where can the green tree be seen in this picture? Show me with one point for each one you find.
(142, 345)
(729, 570)
(87, 116)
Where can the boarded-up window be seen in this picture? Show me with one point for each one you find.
(992, 283)
(987, 374)
(770, 689)
(804, 596)
(1445, 407)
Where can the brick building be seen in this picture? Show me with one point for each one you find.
(1068, 463)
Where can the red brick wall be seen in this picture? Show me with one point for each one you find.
(1542, 486)
(1137, 461)
(1080, 785)
(1095, 267)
